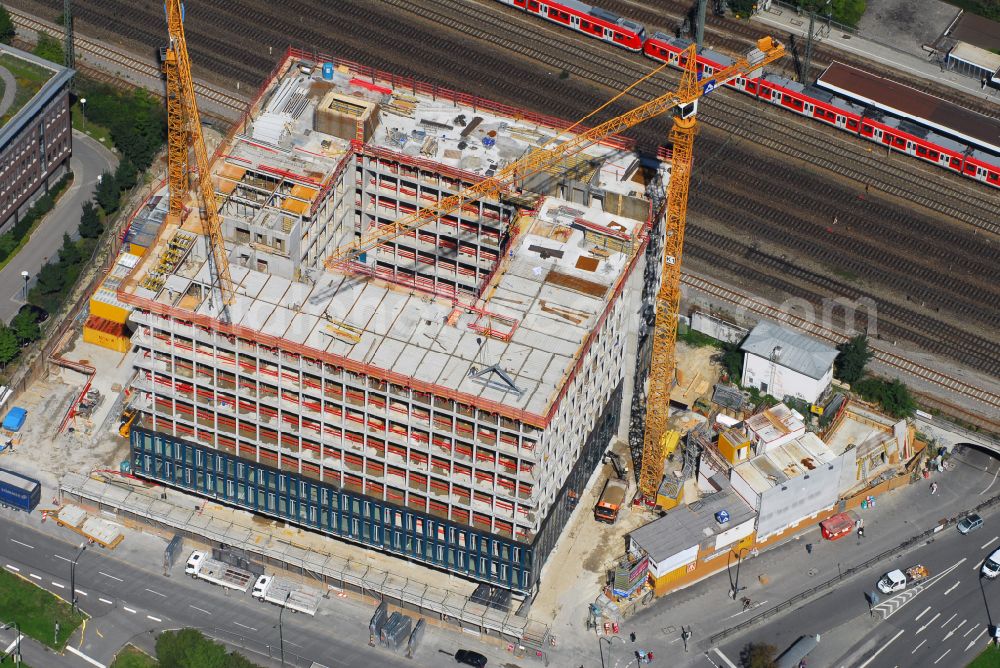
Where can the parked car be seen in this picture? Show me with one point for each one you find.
(970, 523)
(991, 567)
(470, 658)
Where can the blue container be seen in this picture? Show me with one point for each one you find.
(19, 491)
(328, 71)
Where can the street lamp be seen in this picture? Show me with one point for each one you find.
(739, 560)
(609, 640)
(83, 112)
(17, 641)
(281, 637)
(72, 576)
(25, 275)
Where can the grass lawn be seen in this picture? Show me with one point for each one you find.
(30, 79)
(37, 611)
(98, 132)
(990, 658)
(130, 657)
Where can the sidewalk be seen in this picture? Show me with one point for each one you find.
(36, 655)
(788, 22)
(787, 569)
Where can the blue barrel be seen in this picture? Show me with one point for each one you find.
(328, 71)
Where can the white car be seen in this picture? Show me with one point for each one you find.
(892, 582)
(991, 567)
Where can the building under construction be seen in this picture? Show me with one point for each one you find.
(443, 397)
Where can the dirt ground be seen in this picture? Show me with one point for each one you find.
(41, 451)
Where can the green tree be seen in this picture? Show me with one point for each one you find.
(758, 655)
(49, 289)
(854, 355)
(49, 48)
(893, 396)
(731, 359)
(25, 325)
(9, 347)
(107, 194)
(69, 254)
(126, 175)
(7, 31)
(188, 648)
(90, 222)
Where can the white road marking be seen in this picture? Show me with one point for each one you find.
(85, 657)
(109, 576)
(104, 600)
(979, 565)
(58, 585)
(12, 645)
(917, 618)
(881, 649)
(990, 542)
(929, 622)
(942, 656)
(30, 547)
(82, 593)
(155, 619)
(954, 630)
(724, 658)
(952, 588)
(156, 592)
(973, 641)
(253, 629)
(756, 604)
(200, 609)
(128, 609)
(896, 603)
(57, 556)
(971, 629)
(918, 646)
(32, 575)
(13, 568)
(295, 644)
(948, 620)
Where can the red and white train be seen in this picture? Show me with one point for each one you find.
(936, 142)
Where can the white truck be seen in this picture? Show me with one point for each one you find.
(295, 597)
(201, 565)
(897, 580)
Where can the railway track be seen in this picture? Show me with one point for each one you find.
(738, 35)
(990, 399)
(228, 53)
(126, 60)
(730, 111)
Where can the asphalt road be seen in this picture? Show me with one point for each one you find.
(942, 622)
(89, 159)
(127, 601)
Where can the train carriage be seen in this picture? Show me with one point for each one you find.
(591, 21)
(947, 135)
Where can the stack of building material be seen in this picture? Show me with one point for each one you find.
(94, 529)
(106, 326)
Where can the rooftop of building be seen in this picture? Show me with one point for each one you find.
(790, 349)
(977, 30)
(692, 524)
(524, 332)
(774, 423)
(910, 103)
(36, 80)
(978, 56)
(784, 462)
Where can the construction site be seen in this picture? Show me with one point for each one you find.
(440, 396)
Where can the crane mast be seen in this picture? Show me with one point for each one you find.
(184, 124)
(662, 366)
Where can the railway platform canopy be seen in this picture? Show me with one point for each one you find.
(909, 104)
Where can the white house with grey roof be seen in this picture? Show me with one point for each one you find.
(783, 363)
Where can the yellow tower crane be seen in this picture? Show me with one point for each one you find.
(685, 101)
(184, 128)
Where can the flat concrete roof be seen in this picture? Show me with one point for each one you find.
(688, 525)
(784, 462)
(59, 77)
